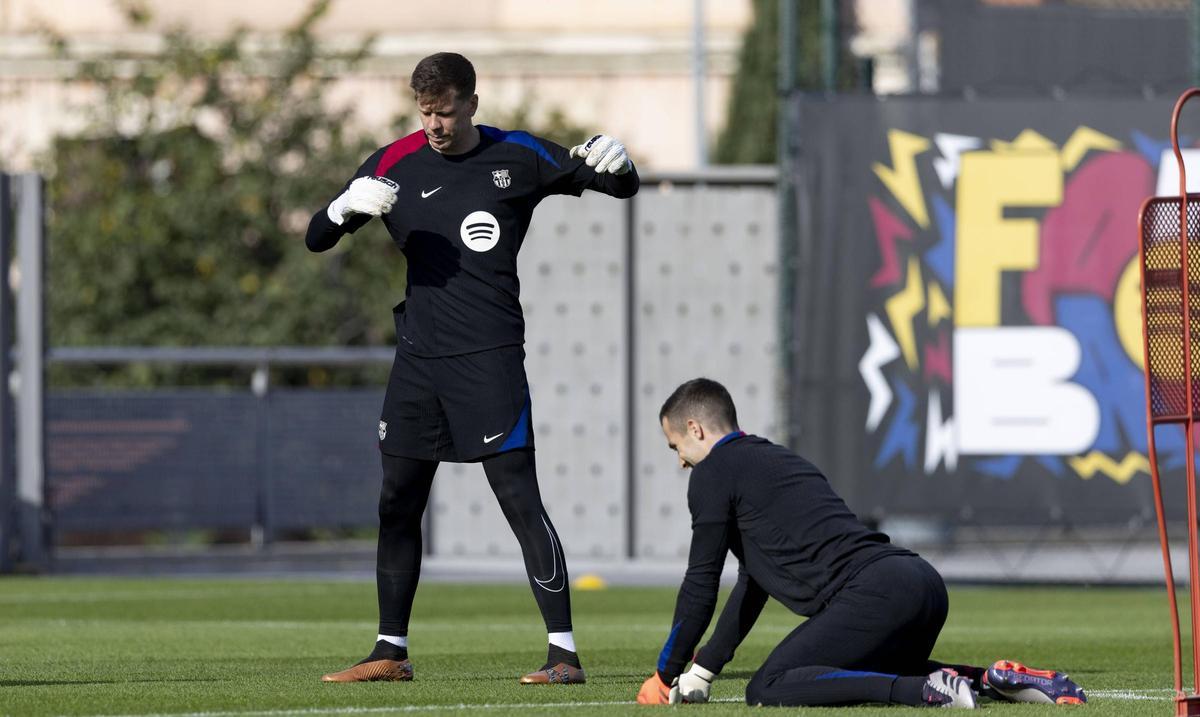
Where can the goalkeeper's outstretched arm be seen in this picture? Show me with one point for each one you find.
(693, 611)
(697, 598)
(741, 611)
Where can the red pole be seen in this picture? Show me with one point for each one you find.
(1153, 450)
(1189, 424)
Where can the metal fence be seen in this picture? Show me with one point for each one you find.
(260, 459)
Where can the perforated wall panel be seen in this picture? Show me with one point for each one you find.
(573, 287)
(706, 305)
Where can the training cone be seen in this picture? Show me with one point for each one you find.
(591, 581)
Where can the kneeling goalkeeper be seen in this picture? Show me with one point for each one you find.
(874, 609)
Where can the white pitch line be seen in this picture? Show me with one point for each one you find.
(493, 626)
(426, 626)
(1154, 695)
(1148, 695)
(379, 710)
(405, 708)
(135, 595)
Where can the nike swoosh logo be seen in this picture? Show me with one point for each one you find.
(489, 439)
(426, 195)
(556, 558)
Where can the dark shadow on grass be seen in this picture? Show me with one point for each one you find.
(41, 683)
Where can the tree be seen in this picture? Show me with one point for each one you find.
(750, 127)
(178, 218)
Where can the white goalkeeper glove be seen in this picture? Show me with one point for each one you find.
(604, 154)
(366, 195)
(692, 686)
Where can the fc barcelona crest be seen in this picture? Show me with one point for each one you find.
(501, 179)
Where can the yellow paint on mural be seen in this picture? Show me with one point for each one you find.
(1027, 141)
(903, 308)
(939, 308)
(1127, 313)
(901, 178)
(1164, 317)
(1083, 140)
(988, 243)
(1096, 462)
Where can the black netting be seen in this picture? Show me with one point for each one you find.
(1163, 295)
(202, 459)
(145, 461)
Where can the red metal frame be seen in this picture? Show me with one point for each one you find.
(1186, 705)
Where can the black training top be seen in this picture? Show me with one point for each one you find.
(794, 538)
(460, 221)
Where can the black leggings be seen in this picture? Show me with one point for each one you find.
(871, 643)
(402, 501)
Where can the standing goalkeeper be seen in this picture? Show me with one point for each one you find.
(457, 198)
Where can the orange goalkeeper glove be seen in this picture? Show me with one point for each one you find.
(654, 691)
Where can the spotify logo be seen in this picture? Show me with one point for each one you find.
(480, 231)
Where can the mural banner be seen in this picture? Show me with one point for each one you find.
(967, 308)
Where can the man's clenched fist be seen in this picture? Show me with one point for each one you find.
(366, 195)
(605, 154)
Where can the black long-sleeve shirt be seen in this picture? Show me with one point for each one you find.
(460, 221)
(794, 538)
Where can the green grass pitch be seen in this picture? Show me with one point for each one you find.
(81, 646)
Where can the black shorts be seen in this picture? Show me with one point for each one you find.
(457, 408)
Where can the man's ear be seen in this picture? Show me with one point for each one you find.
(474, 105)
(695, 429)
